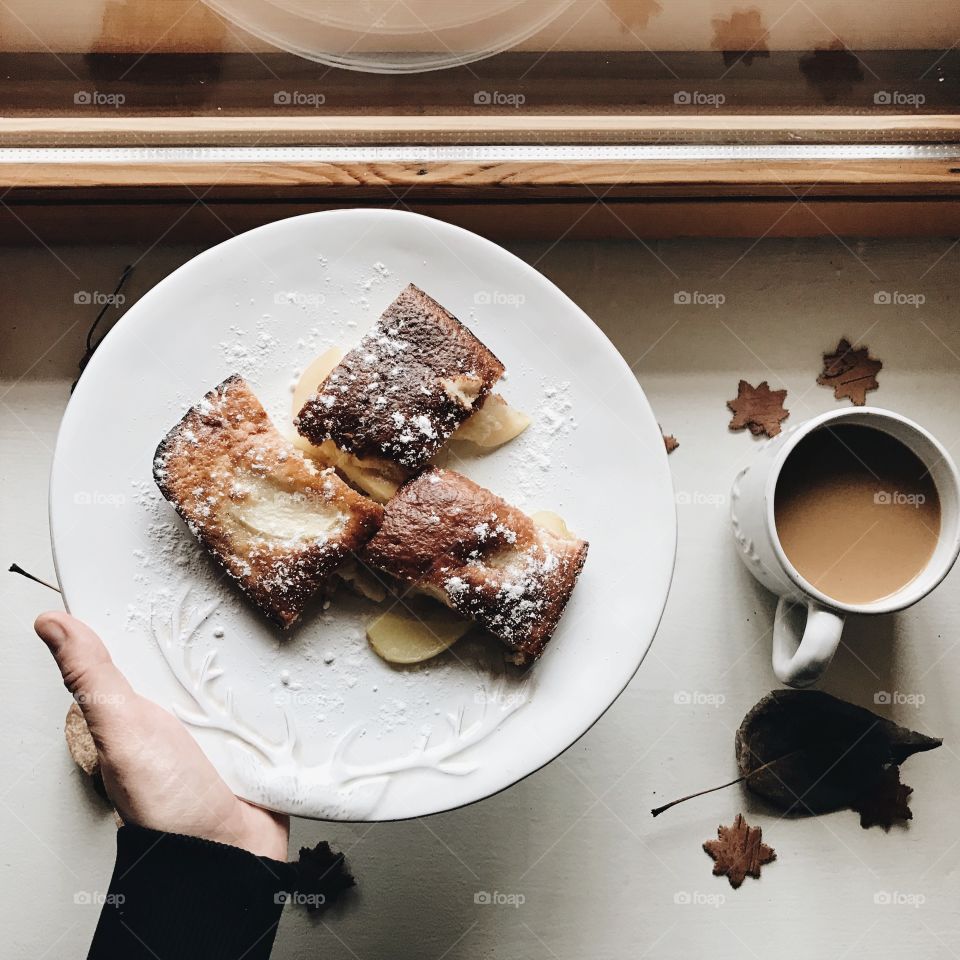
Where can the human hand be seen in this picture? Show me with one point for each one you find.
(153, 770)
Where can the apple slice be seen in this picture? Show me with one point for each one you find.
(361, 581)
(269, 511)
(493, 424)
(554, 523)
(311, 378)
(421, 630)
(366, 476)
(363, 474)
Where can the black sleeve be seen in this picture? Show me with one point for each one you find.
(181, 898)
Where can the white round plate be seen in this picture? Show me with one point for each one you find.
(312, 722)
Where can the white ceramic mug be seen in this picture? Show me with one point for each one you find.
(799, 660)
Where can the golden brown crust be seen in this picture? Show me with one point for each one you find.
(405, 388)
(480, 555)
(276, 523)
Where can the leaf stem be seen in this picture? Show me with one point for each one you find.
(15, 568)
(741, 779)
(658, 810)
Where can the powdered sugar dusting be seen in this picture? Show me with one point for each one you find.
(538, 452)
(251, 351)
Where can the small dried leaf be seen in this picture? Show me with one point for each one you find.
(739, 852)
(759, 408)
(851, 373)
(741, 37)
(80, 743)
(84, 752)
(634, 15)
(832, 71)
(886, 800)
(323, 872)
(669, 441)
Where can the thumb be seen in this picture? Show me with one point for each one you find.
(99, 688)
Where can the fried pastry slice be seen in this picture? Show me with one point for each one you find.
(397, 396)
(278, 524)
(462, 544)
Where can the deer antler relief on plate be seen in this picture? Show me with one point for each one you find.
(270, 772)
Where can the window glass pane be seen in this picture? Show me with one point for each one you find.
(502, 63)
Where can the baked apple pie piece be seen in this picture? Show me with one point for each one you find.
(383, 410)
(277, 523)
(465, 546)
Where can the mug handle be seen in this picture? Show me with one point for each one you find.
(799, 661)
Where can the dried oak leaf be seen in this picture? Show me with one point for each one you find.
(851, 373)
(832, 71)
(759, 408)
(323, 874)
(740, 852)
(807, 752)
(742, 37)
(885, 800)
(634, 14)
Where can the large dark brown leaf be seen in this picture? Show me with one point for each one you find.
(808, 752)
